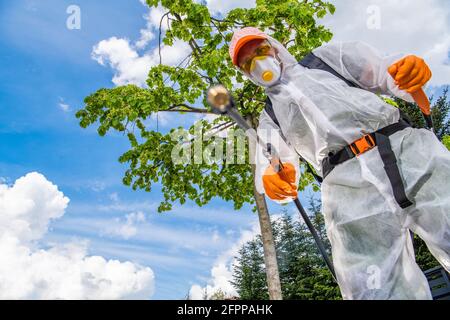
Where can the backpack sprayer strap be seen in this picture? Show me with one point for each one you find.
(362, 145)
(381, 140)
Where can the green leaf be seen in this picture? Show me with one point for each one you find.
(446, 142)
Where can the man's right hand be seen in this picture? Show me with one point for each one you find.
(410, 73)
(280, 185)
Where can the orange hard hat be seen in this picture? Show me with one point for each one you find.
(241, 37)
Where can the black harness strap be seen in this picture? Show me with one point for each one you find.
(381, 138)
(311, 61)
(392, 170)
(269, 109)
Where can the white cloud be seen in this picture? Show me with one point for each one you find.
(126, 228)
(215, 236)
(124, 207)
(163, 118)
(202, 228)
(154, 18)
(64, 271)
(223, 7)
(114, 197)
(63, 106)
(412, 27)
(131, 67)
(146, 36)
(187, 213)
(96, 185)
(27, 207)
(222, 270)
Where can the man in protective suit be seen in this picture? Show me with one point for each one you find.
(381, 177)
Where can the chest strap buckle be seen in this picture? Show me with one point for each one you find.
(362, 145)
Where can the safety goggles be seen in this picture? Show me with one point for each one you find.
(263, 50)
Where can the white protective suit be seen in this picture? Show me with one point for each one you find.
(318, 113)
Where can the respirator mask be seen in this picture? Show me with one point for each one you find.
(266, 70)
(262, 66)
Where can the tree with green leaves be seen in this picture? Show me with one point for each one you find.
(180, 89)
(249, 272)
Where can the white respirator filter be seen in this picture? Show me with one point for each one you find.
(266, 70)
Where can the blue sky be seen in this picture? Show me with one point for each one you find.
(43, 65)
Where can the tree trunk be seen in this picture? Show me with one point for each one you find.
(270, 256)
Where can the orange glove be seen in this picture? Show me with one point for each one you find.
(281, 185)
(410, 74)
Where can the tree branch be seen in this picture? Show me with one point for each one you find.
(179, 65)
(221, 124)
(203, 111)
(196, 49)
(210, 134)
(160, 31)
(184, 106)
(217, 28)
(225, 127)
(227, 21)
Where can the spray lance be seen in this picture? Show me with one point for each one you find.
(222, 103)
(422, 101)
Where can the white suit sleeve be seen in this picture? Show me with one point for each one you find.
(270, 133)
(363, 65)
